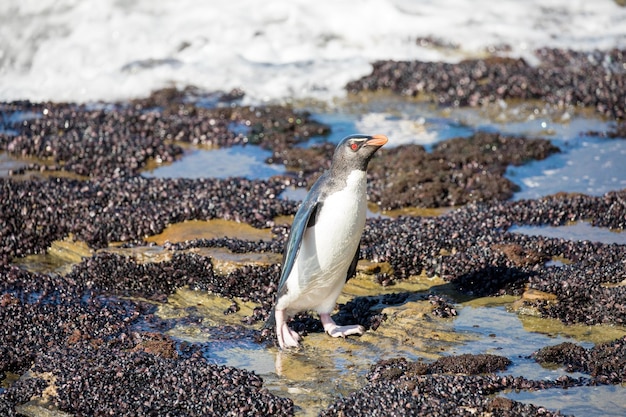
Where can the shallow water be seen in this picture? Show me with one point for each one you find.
(498, 331)
(238, 161)
(606, 401)
(578, 231)
(326, 368)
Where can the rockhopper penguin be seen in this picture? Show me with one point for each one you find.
(323, 245)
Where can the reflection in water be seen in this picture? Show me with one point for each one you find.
(325, 368)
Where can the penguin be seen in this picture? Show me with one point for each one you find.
(323, 245)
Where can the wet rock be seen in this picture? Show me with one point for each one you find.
(562, 77)
(155, 344)
(530, 300)
(519, 256)
(618, 131)
(565, 353)
(469, 364)
(209, 229)
(500, 404)
(19, 393)
(442, 306)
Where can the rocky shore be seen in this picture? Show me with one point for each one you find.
(88, 342)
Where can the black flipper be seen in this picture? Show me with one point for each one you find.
(352, 268)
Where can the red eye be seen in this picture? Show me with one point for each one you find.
(354, 146)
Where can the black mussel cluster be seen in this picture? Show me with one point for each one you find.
(275, 245)
(134, 383)
(359, 311)
(472, 248)
(606, 362)
(455, 172)
(563, 77)
(99, 211)
(21, 392)
(450, 386)
(93, 340)
(111, 274)
(40, 311)
(469, 364)
(442, 307)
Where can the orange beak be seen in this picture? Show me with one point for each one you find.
(377, 140)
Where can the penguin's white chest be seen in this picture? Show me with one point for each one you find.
(335, 237)
(329, 246)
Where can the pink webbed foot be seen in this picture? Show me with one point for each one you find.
(334, 330)
(287, 338)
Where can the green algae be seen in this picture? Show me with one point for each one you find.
(58, 258)
(209, 229)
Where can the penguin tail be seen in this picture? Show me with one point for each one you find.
(270, 323)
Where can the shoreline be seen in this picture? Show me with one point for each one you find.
(91, 339)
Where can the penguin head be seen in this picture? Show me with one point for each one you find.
(355, 151)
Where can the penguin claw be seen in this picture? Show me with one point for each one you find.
(288, 338)
(343, 331)
(334, 330)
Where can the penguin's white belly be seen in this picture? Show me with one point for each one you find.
(327, 249)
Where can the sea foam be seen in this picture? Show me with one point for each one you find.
(274, 50)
